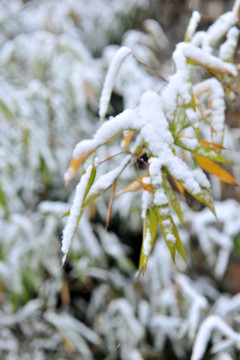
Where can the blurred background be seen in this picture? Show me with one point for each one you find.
(54, 56)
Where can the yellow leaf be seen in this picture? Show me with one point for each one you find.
(210, 145)
(213, 168)
(73, 168)
(179, 187)
(127, 138)
(136, 185)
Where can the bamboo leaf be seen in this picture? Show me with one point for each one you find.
(136, 185)
(73, 168)
(179, 187)
(170, 233)
(205, 197)
(127, 138)
(90, 181)
(206, 149)
(110, 204)
(173, 199)
(210, 145)
(215, 169)
(77, 209)
(67, 213)
(150, 226)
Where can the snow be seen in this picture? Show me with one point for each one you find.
(198, 303)
(227, 49)
(55, 207)
(115, 65)
(106, 180)
(155, 29)
(201, 177)
(218, 29)
(125, 120)
(160, 197)
(216, 96)
(205, 59)
(196, 17)
(147, 201)
(147, 242)
(75, 211)
(212, 322)
(190, 143)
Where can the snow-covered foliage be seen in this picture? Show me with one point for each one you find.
(159, 125)
(54, 57)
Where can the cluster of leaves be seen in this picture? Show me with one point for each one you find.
(157, 128)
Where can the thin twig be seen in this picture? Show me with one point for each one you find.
(150, 69)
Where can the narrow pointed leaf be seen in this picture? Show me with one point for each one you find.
(205, 196)
(179, 187)
(109, 214)
(127, 138)
(167, 227)
(136, 185)
(77, 208)
(90, 181)
(73, 168)
(210, 145)
(67, 213)
(180, 248)
(173, 199)
(215, 169)
(209, 151)
(170, 233)
(150, 226)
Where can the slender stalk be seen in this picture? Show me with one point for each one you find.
(150, 69)
(236, 8)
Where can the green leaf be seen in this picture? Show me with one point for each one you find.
(170, 232)
(150, 226)
(81, 207)
(173, 199)
(88, 187)
(90, 181)
(205, 197)
(67, 213)
(203, 151)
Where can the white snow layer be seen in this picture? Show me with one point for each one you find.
(75, 210)
(193, 24)
(126, 120)
(227, 49)
(118, 58)
(212, 322)
(147, 243)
